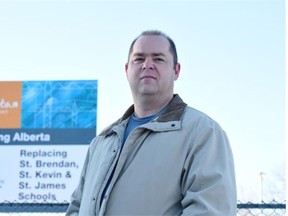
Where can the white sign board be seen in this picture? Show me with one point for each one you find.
(45, 129)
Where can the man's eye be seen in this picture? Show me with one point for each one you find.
(137, 60)
(158, 59)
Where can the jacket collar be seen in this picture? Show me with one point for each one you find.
(173, 112)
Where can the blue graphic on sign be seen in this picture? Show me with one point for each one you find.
(59, 104)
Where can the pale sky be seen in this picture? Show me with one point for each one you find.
(232, 55)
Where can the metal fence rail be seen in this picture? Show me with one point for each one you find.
(261, 209)
(8, 207)
(243, 209)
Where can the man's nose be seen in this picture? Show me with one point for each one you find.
(148, 64)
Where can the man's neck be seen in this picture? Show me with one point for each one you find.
(148, 105)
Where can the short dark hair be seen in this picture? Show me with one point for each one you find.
(157, 33)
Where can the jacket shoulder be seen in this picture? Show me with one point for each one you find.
(199, 118)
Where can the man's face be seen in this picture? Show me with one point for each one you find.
(150, 70)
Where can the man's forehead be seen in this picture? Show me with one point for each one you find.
(151, 44)
(150, 54)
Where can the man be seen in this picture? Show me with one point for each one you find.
(162, 157)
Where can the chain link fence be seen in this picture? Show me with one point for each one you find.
(58, 209)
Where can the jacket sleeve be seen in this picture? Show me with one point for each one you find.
(208, 180)
(75, 201)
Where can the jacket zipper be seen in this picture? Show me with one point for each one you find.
(107, 177)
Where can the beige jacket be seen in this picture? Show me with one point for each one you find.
(179, 164)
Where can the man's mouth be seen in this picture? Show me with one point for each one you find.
(148, 77)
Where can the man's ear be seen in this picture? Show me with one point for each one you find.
(177, 71)
(126, 69)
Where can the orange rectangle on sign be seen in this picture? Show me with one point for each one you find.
(10, 104)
